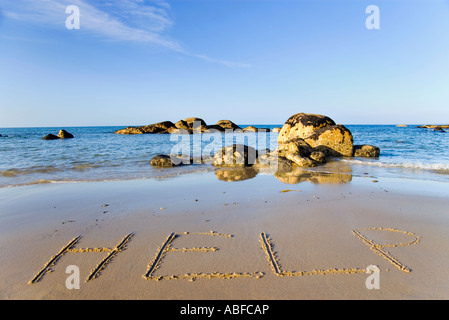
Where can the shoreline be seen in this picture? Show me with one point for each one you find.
(310, 225)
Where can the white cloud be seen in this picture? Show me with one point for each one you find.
(141, 21)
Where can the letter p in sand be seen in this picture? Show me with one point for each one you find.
(380, 248)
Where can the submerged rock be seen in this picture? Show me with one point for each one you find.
(130, 130)
(163, 161)
(366, 151)
(433, 126)
(50, 137)
(65, 135)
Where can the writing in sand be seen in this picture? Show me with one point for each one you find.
(266, 244)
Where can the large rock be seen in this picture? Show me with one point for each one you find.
(65, 135)
(302, 125)
(335, 140)
(236, 155)
(366, 151)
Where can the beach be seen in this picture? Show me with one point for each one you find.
(196, 237)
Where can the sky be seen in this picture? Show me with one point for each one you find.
(137, 62)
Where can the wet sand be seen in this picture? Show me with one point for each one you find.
(199, 237)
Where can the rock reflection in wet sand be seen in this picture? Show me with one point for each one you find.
(332, 173)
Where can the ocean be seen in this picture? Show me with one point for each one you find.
(97, 154)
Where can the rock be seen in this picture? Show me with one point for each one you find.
(65, 135)
(297, 146)
(302, 125)
(318, 156)
(50, 137)
(195, 125)
(181, 124)
(273, 163)
(191, 122)
(439, 129)
(277, 129)
(401, 126)
(163, 161)
(432, 126)
(174, 130)
(130, 130)
(214, 128)
(250, 128)
(308, 139)
(236, 155)
(300, 161)
(254, 129)
(228, 124)
(366, 151)
(334, 140)
(160, 127)
(298, 152)
(187, 160)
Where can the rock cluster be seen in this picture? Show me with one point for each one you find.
(305, 140)
(61, 135)
(187, 126)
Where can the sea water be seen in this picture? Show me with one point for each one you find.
(97, 154)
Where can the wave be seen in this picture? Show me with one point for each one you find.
(438, 167)
(160, 174)
(17, 172)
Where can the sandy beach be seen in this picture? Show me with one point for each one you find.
(197, 237)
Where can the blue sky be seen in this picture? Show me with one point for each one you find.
(135, 62)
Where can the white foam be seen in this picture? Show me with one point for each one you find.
(405, 165)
